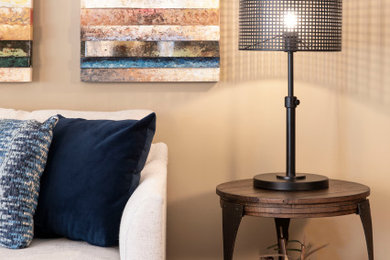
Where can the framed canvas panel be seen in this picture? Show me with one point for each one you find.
(150, 41)
(16, 40)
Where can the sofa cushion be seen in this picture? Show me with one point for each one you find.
(93, 168)
(42, 115)
(60, 249)
(24, 146)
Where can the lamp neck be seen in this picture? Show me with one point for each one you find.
(291, 41)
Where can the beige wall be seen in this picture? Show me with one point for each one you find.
(234, 129)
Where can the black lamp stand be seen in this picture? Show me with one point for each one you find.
(290, 181)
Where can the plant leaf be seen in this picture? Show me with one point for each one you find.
(315, 250)
(274, 245)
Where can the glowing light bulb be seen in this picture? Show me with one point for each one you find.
(290, 20)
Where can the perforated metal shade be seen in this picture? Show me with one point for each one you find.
(265, 23)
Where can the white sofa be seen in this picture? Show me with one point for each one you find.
(143, 225)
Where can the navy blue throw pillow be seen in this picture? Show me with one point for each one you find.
(93, 168)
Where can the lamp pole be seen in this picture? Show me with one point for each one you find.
(291, 103)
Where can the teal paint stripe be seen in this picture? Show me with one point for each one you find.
(15, 62)
(201, 62)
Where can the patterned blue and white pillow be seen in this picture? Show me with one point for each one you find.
(24, 146)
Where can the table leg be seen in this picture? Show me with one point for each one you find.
(231, 219)
(282, 225)
(365, 216)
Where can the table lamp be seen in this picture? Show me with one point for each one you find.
(290, 26)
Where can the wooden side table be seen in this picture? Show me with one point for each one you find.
(240, 198)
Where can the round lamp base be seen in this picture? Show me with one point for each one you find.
(302, 182)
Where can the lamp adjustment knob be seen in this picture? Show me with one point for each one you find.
(291, 102)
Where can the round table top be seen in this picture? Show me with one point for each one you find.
(242, 191)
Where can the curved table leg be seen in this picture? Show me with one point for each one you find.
(365, 215)
(282, 225)
(231, 219)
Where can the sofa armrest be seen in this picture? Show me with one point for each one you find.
(143, 225)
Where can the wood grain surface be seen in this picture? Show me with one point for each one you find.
(341, 198)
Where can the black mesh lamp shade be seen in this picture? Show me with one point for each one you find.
(264, 24)
(290, 26)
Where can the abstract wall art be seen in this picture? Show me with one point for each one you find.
(15, 40)
(150, 40)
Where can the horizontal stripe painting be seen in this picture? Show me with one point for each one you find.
(150, 40)
(15, 40)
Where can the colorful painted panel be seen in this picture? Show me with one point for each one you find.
(150, 40)
(15, 40)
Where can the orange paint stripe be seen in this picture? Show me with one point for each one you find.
(159, 16)
(15, 32)
(15, 16)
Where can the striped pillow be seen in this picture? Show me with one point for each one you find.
(24, 146)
